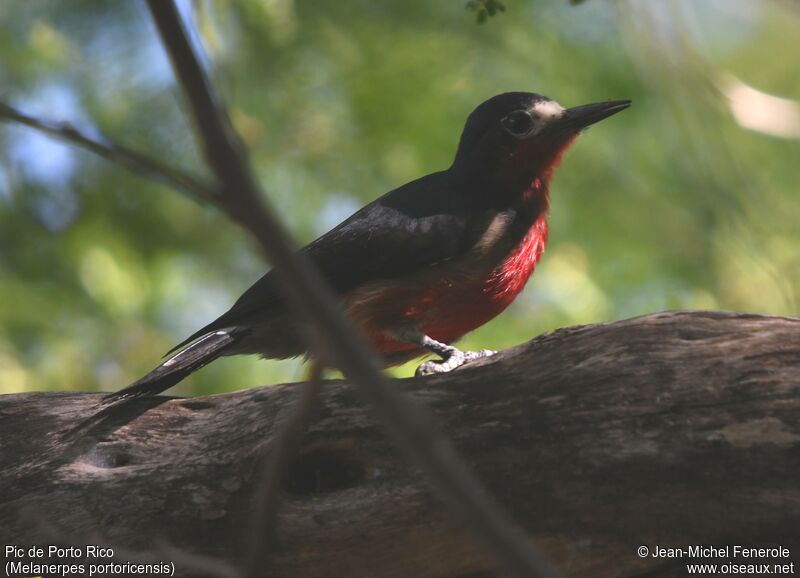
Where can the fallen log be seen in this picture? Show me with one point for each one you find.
(669, 430)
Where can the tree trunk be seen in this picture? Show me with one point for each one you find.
(673, 429)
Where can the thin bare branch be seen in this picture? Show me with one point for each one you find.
(412, 426)
(117, 153)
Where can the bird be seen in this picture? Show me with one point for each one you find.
(424, 264)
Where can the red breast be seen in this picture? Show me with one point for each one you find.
(446, 301)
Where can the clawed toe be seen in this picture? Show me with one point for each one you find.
(480, 354)
(455, 360)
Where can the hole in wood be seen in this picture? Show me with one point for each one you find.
(322, 469)
(108, 458)
(197, 405)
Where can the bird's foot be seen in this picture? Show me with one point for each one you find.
(454, 359)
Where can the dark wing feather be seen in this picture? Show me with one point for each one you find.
(409, 228)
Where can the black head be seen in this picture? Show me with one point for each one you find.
(522, 134)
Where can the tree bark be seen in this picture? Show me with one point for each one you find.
(673, 429)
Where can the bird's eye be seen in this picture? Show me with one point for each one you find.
(518, 123)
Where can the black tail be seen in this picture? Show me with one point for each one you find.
(203, 351)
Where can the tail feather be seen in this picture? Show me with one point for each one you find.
(203, 351)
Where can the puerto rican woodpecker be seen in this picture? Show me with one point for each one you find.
(426, 263)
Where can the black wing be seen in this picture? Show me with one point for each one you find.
(407, 229)
(412, 227)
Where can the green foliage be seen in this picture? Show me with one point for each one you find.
(485, 8)
(671, 204)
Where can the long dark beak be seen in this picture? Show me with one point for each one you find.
(579, 117)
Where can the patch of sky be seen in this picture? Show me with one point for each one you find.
(589, 23)
(5, 187)
(713, 24)
(43, 159)
(124, 56)
(337, 207)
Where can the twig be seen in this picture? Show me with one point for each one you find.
(283, 447)
(115, 152)
(412, 426)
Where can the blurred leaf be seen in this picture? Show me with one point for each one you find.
(485, 9)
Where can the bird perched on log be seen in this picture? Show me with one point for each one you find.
(426, 263)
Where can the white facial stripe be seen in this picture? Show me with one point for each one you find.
(525, 124)
(547, 110)
(544, 112)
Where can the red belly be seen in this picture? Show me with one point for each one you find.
(448, 301)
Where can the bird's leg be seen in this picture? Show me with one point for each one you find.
(452, 357)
